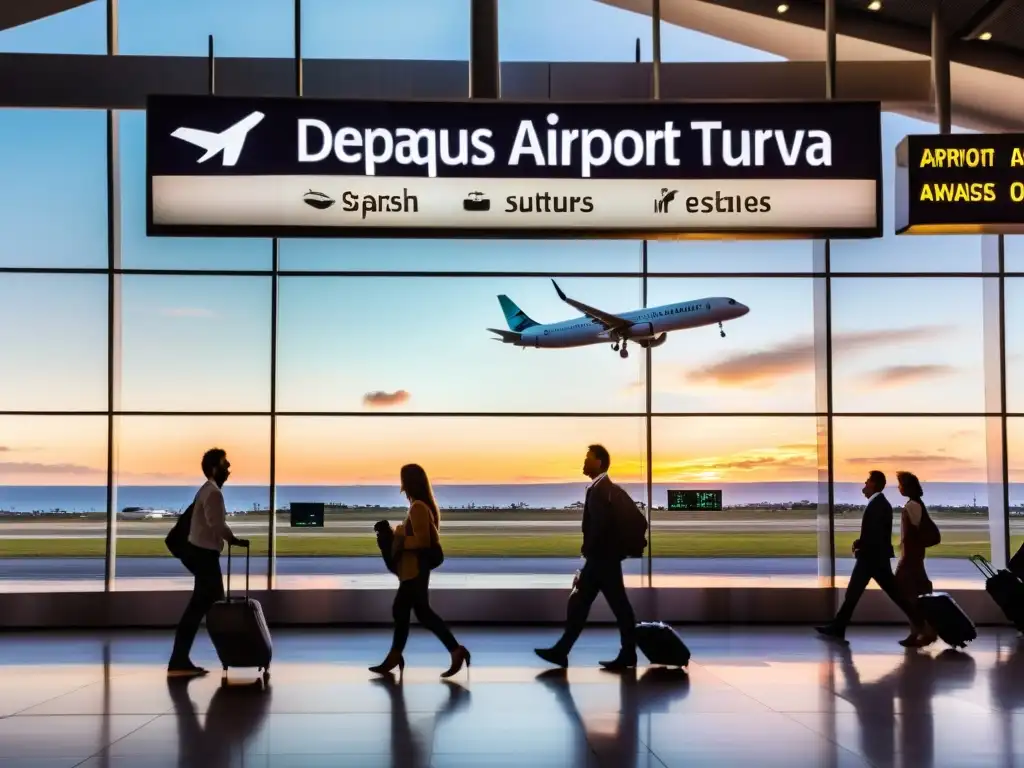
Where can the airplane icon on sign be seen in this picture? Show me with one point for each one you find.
(229, 141)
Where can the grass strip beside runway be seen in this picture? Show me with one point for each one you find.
(666, 544)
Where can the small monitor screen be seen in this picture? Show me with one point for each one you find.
(695, 501)
(307, 514)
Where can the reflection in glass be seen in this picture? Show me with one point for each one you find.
(948, 456)
(158, 474)
(53, 503)
(764, 363)
(511, 492)
(908, 345)
(53, 161)
(54, 346)
(765, 533)
(141, 252)
(195, 343)
(413, 344)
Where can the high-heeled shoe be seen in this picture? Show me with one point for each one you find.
(387, 666)
(460, 656)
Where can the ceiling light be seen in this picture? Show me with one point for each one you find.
(875, 5)
(985, 36)
(782, 8)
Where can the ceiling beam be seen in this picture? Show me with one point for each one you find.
(14, 13)
(983, 19)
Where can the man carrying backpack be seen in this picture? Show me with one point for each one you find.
(613, 529)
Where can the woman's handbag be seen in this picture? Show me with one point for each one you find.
(431, 557)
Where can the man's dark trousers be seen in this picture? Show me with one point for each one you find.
(599, 576)
(867, 568)
(209, 589)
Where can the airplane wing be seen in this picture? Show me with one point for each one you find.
(509, 337)
(610, 321)
(204, 139)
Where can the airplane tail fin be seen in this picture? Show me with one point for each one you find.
(517, 320)
(508, 337)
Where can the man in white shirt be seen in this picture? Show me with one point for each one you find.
(207, 534)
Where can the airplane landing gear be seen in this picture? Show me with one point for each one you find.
(721, 330)
(615, 347)
(623, 353)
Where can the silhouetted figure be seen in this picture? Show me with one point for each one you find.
(601, 572)
(416, 550)
(911, 576)
(207, 535)
(874, 552)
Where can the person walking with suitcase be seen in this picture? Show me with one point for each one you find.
(874, 552)
(207, 534)
(917, 532)
(417, 551)
(602, 570)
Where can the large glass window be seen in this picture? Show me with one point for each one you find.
(511, 492)
(53, 206)
(403, 255)
(258, 28)
(386, 29)
(158, 473)
(730, 256)
(908, 345)
(948, 456)
(904, 253)
(79, 30)
(1015, 344)
(53, 503)
(765, 360)
(413, 344)
(54, 343)
(1013, 253)
(195, 343)
(1015, 453)
(766, 471)
(141, 252)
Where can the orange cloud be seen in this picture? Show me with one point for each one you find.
(899, 375)
(386, 399)
(795, 462)
(797, 356)
(36, 469)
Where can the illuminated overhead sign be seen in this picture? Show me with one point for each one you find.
(309, 167)
(695, 501)
(960, 184)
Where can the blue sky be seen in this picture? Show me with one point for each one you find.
(203, 343)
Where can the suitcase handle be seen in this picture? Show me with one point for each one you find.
(227, 596)
(983, 565)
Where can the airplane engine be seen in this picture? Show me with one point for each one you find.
(641, 331)
(655, 342)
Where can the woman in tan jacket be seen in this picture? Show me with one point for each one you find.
(416, 540)
(911, 577)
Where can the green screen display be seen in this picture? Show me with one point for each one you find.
(307, 515)
(695, 501)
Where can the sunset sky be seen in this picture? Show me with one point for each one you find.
(362, 345)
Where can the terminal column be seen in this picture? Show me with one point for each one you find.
(484, 64)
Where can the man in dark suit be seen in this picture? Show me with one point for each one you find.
(601, 572)
(874, 552)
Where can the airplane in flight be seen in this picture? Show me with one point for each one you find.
(229, 141)
(647, 327)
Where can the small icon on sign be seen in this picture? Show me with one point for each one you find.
(317, 200)
(475, 201)
(662, 203)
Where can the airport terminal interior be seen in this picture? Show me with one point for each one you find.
(834, 289)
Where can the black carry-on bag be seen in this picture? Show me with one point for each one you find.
(238, 630)
(661, 644)
(947, 619)
(1006, 589)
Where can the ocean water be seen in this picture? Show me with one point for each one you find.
(246, 497)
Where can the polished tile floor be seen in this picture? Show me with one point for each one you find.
(752, 697)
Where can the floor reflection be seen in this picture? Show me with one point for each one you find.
(766, 697)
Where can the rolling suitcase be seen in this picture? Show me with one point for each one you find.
(661, 645)
(947, 619)
(1005, 588)
(238, 630)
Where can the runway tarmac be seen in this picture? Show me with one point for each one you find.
(139, 529)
